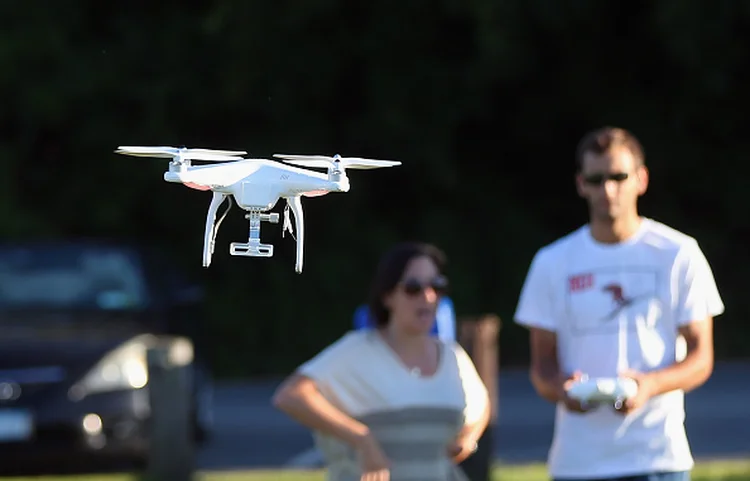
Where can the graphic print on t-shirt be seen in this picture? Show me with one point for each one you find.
(612, 298)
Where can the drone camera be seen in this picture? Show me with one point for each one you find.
(253, 248)
(272, 218)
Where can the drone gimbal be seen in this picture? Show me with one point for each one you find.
(253, 247)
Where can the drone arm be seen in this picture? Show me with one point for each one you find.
(295, 203)
(209, 235)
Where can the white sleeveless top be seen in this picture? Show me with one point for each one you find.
(414, 418)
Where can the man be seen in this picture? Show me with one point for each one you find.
(445, 320)
(612, 299)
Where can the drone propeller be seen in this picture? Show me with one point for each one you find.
(323, 161)
(182, 153)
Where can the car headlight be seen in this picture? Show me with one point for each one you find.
(122, 369)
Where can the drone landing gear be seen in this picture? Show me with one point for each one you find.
(212, 227)
(253, 247)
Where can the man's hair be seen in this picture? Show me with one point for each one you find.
(605, 139)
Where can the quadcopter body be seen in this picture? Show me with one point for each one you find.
(256, 185)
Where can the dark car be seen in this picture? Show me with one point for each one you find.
(76, 318)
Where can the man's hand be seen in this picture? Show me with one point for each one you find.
(571, 404)
(646, 390)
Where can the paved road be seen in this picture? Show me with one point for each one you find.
(251, 434)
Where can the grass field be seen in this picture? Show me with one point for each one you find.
(706, 471)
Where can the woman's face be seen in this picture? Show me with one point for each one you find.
(413, 302)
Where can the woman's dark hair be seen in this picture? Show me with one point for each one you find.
(390, 270)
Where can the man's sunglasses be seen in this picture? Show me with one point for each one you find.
(413, 287)
(599, 179)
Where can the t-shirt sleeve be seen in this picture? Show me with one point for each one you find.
(475, 392)
(535, 303)
(698, 296)
(330, 363)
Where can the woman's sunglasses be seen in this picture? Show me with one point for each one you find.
(413, 287)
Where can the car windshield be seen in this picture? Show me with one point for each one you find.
(72, 277)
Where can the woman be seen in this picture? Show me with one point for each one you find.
(393, 402)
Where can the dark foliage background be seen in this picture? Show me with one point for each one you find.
(483, 102)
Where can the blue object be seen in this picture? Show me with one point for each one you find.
(444, 326)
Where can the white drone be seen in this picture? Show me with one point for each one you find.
(256, 186)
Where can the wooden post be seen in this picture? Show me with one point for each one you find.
(171, 443)
(479, 336)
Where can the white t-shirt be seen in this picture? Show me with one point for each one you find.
(617, 307)
(362, 376)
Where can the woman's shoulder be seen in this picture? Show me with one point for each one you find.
(453, 350)
(449, 345)
(354, 339)
(336, 356)
(358, 335)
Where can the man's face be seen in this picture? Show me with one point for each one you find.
(611, 183)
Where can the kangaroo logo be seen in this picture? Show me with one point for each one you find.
(615, 290)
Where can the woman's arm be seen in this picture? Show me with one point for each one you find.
(469, 436)
(474, 429)
(478, 406)
(299, 398)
